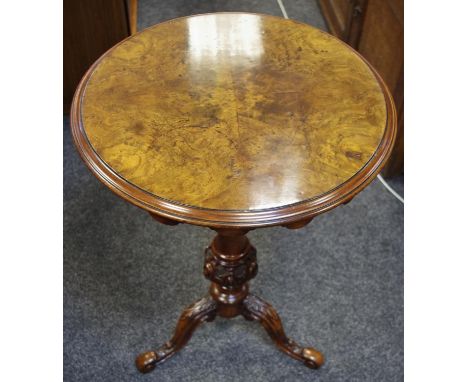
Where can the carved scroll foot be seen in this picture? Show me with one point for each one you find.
(254, 308)
(197, 313)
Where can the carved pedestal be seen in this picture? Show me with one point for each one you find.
(230, 263)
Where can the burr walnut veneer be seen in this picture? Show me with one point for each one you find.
(233, 121)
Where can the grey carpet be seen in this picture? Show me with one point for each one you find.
(337, 283)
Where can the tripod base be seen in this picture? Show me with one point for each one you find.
(253, 308)
(230, 262)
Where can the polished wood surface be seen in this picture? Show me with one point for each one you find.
(233, 119)
(230, 262)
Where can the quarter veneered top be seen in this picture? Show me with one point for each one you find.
(232, 112)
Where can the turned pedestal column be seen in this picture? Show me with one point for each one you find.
(230, 262)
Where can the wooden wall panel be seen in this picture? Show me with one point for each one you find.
(382, 41)
(90, 27)
(336, 14)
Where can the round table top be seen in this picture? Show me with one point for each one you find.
(233, 119)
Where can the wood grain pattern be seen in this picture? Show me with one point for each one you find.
(233, 119)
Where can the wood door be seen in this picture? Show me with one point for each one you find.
(344, 18)
(90, 27)
(337, 14)
(381, 43)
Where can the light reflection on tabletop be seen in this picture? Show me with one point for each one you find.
(217, 37)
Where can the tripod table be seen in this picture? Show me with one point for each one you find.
(233, 121)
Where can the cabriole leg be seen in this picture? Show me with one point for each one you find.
(197, 313)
